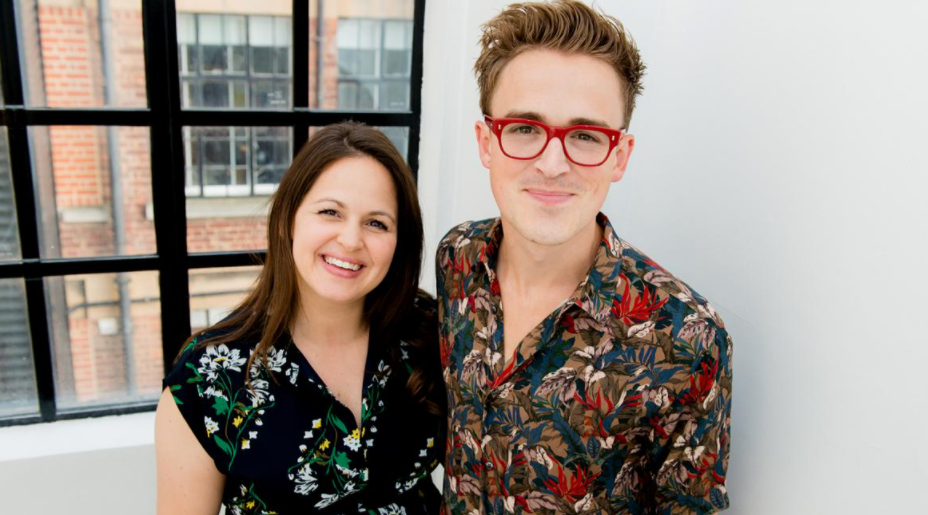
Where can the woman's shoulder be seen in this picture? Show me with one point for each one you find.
(210, 352)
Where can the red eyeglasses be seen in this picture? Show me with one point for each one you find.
(584, 145)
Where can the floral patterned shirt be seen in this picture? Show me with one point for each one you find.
(618, 402)
(288, 446)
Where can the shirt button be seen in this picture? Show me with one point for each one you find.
(489, 465)
(493, 309)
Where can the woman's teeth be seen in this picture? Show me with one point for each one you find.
(342, 264)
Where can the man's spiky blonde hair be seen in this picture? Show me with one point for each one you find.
(566, 26)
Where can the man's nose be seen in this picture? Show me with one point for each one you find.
(553, 161)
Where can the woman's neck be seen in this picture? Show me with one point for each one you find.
(324, 324)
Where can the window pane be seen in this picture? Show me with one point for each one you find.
(215, 94)
(228, 210)
(262, 59)
(94, 190)
(399, 136)
(17, 376)
(107, 338)
(214, 292)
(71, 59)
(395, 95)
(210, 26)
(271, 94)
(214, 58)
(9, 234)
(236, 52)
(364, 43)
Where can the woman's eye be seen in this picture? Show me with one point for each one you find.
(378, 224)
(328, 212)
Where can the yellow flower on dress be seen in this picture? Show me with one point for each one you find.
(246, 444)
(317, 423)
(356, 434)
(237, 422)
(325, 444)
(250, 504)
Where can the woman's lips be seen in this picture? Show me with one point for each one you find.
(549, 197)
(339, 271)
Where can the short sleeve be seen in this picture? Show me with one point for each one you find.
(189, 384)
(689, 439)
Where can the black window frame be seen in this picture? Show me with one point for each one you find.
(165, 119)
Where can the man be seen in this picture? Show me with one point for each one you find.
(582, 377)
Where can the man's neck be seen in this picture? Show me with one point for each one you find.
(526, 266)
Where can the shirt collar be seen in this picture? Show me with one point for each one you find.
(595, 293)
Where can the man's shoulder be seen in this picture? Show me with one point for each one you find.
(662, 285)
(462, 235)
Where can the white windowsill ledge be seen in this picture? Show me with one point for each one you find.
(75, 436)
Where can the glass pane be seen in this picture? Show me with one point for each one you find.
(17, 376)
(360, 46)
(94, 190)
(107, 338)
(230, 173)
(214, 292)
(76, 56)
(238, 48)
(399, 136)
(9, 234)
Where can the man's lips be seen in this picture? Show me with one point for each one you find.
(549, 196)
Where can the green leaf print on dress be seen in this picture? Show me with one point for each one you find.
(237, 411)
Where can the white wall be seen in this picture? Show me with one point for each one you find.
(781, 170)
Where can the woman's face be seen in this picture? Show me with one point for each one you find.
(344, 232)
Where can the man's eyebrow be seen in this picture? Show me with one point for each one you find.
(372, 213)
(589, 121)
(532, 115)
(527, 115)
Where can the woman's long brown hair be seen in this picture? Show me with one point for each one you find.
(395, 310)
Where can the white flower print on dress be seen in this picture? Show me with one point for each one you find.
(211, 426)
(220, 358)
(392, 509)
(305, 481)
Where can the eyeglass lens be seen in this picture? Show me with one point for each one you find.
(523, 140)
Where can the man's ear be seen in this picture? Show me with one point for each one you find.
(622, 154)
(484, 140)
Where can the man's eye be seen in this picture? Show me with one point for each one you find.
(522, 129)
(586, 136)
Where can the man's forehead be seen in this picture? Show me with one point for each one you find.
(559, 89)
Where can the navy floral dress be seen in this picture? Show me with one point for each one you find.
(288, 446)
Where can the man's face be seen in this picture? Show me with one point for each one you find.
(549, 200)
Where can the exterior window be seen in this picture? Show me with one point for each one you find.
(234, 62)
(374, 63)
(103, 275)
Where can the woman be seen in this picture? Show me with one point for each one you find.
(321, 393)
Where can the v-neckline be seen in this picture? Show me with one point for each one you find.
(308, 373)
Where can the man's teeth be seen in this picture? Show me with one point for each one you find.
(342, 264)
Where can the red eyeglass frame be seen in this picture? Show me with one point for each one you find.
(497, 125)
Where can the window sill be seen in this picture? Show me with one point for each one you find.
(221, 207)
(75, 436)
